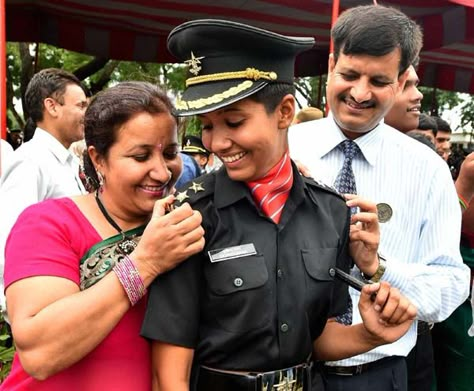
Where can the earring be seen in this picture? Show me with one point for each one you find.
(101, 179)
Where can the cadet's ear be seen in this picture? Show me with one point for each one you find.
(286, 111)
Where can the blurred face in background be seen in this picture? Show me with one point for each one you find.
(405, 112)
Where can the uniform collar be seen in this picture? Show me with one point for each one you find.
(368, 143)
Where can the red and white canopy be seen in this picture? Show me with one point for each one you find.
(136, 30)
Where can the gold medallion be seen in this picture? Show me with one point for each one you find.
(384, 212)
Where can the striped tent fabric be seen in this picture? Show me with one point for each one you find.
(136, 30)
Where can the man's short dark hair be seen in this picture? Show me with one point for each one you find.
(442, 125)
(427, 122)
(422, 138)
(376, 30)
(47, 83)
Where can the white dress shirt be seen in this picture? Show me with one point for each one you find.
(39, 169)
(6, 153)
(421, 239)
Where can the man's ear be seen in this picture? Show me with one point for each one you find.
(331, 63)
(286, 111)
(50, 107)
(402, 79)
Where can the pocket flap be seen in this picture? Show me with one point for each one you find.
(238, 274)
(318, 261)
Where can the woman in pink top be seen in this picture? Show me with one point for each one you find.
(77, 268)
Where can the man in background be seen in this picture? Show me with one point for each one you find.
(419, 212)
(443, 138)
(43, 167)
(405, 112)
(194, 147)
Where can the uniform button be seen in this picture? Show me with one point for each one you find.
(238, 282)
(284, 327)
(279, 273)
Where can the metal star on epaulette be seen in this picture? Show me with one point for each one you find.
(196, 187)
(193, 64)
(182, 196)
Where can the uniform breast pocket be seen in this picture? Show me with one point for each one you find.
(319, 283)
(238, 294)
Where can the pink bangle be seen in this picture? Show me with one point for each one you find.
(130, 279)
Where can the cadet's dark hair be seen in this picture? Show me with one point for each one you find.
(112, 108)
(47, 83)
(442, 125)
(272, 94)
(376, 30)
(426, 122)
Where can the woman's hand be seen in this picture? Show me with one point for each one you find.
(168, 239)
(364, 234)
(388, 315)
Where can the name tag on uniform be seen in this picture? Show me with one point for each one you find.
(224, 254)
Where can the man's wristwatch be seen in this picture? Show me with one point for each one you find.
(379, 272)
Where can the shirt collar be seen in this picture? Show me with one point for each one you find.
(53, 144)
(368, 143)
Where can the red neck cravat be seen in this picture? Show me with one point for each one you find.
(271, 192)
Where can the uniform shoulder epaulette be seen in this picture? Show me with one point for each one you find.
(321, 185)
(196, 189)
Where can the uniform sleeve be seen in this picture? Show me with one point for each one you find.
(40, 245)
(172, 313)
(439, 281)
(340, 293)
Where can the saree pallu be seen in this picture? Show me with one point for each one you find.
(103, 256)
(453, 347)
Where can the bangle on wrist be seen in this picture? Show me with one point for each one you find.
(379, 272)
(131, 281)
(462, 201)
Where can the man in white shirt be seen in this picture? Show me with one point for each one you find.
(418, 207)
(43, 167)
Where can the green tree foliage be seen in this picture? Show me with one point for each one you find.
(7, 349)
(25, 59)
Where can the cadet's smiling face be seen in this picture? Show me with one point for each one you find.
(361, 89)
(247, 139)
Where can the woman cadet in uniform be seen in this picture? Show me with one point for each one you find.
(256, 309)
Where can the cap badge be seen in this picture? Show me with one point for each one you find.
(188, 143)
(193, 64)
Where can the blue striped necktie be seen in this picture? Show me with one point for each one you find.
(345, 183)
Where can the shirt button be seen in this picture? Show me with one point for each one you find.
(279, 273)
(238, 282)
(284, 327)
